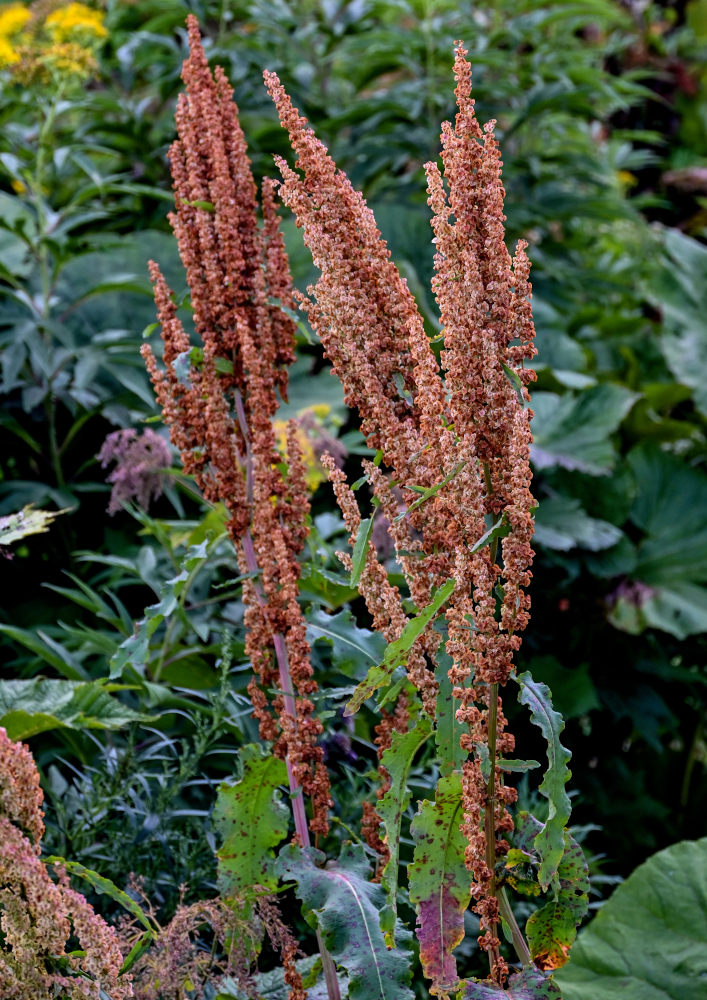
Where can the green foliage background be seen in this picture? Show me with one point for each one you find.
(601, 112)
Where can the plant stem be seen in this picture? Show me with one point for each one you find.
(518, 940)
(296, 795)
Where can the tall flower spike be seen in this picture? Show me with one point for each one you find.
(464, 430)
(220, 413)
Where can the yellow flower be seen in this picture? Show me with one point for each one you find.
(76, 20)
(13, 18)
(7, 53)
(69, 59)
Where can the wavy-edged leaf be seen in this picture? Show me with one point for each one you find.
(550, 841)
(134, 649)
(396, 651)
(439, 882)
(251, 819)
(647, 942)
(528, 984)
(552, 929)
(344, 905)
(29, 707)
(397, 760)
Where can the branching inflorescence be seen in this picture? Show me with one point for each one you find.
(38, 916)
(468, 425)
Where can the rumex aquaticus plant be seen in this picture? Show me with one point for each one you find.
(451, 436)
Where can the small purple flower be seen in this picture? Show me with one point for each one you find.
(140, 463)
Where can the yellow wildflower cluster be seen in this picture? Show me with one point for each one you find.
(49, 40)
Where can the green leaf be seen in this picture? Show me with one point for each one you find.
(647, 942)
(396, 652)
(516, 384)
(352, 648)
(432, 491)
(498, 530)
(439, 882)
(62, 661)
(27, 521)
(550, 932)
(29, 707)
(573, 431)
(666, 583)
(550, 842)
(344, 905)
(397, 760)
(561, 523)
(135, 649)
(528, 984)
(104, 885)
(252, 820)
(447, 730)
(360, 550)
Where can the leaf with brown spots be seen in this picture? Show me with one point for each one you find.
(440, 884)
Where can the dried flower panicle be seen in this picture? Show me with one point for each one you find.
(206, 942)
(39, 916)
(463, 422)
(221, 411)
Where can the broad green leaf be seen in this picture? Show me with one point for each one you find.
(550, 841)
(104, 885)
(678, 288)
(573, 431)
(550, 932)
(251, 819)
(396, 652)
(29, 707)
(432, 491)
(27, 521)
(647, 942)
(353, 649)
(552, 929)
(339, 899)
(561, 523)
(135, 649)
(439, 881)
(666, 586)
(397, 760)
(528, 984)
(360, 550)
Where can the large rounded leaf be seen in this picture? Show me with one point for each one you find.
(649, 941)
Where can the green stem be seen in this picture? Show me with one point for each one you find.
(519, 943)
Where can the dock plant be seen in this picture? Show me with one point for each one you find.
(447, 421)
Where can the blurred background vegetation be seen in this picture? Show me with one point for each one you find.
(602, 119)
